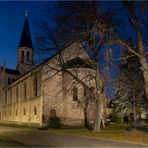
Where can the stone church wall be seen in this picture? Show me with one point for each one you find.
(67, 110)
(75, 109)
(19, 103)
(58, 89)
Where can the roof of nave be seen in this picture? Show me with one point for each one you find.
(12, 71)
(79, 62)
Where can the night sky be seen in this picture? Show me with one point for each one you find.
(12, 15)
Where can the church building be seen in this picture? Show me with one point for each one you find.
(32, 94)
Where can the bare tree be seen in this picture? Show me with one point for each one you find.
(93, 27)
(135, 46)
(130, 88)
(85, 22)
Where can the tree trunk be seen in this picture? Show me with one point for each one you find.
(144, 67)
(143, 61)
(142, 58)
(103, 122)
(134, 110)
(97, 124)
(135, 117)
(85, 117)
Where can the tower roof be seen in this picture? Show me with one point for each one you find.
(26, 36)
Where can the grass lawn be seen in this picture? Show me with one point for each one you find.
(116, 132)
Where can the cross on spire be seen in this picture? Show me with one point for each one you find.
(26, 13)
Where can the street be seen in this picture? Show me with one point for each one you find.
(24, 137)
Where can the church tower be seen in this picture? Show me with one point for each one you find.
(25, 50)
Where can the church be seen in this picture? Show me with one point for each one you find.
(30, 95)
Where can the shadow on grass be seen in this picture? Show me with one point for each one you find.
(10, 143)
(143, 128)
(138, 127)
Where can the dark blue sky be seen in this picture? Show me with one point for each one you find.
(12, 15)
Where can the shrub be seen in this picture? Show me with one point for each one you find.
(146, 120)
(54, 122)
(116, 119)
(126, 119)
(119, 120)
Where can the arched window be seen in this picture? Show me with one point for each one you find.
(35, 111)
(52, 113)
(6, 97)
(10, 95)
(75, 94)
(9, 81)
(24, 111)
(28, 56)
(85, 92)
(16, 94)
(22, 56)
(35, 86)
(24, 90)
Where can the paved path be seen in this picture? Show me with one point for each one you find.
(34, 138)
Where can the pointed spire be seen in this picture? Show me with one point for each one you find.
(4, 65)
(26, 36)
